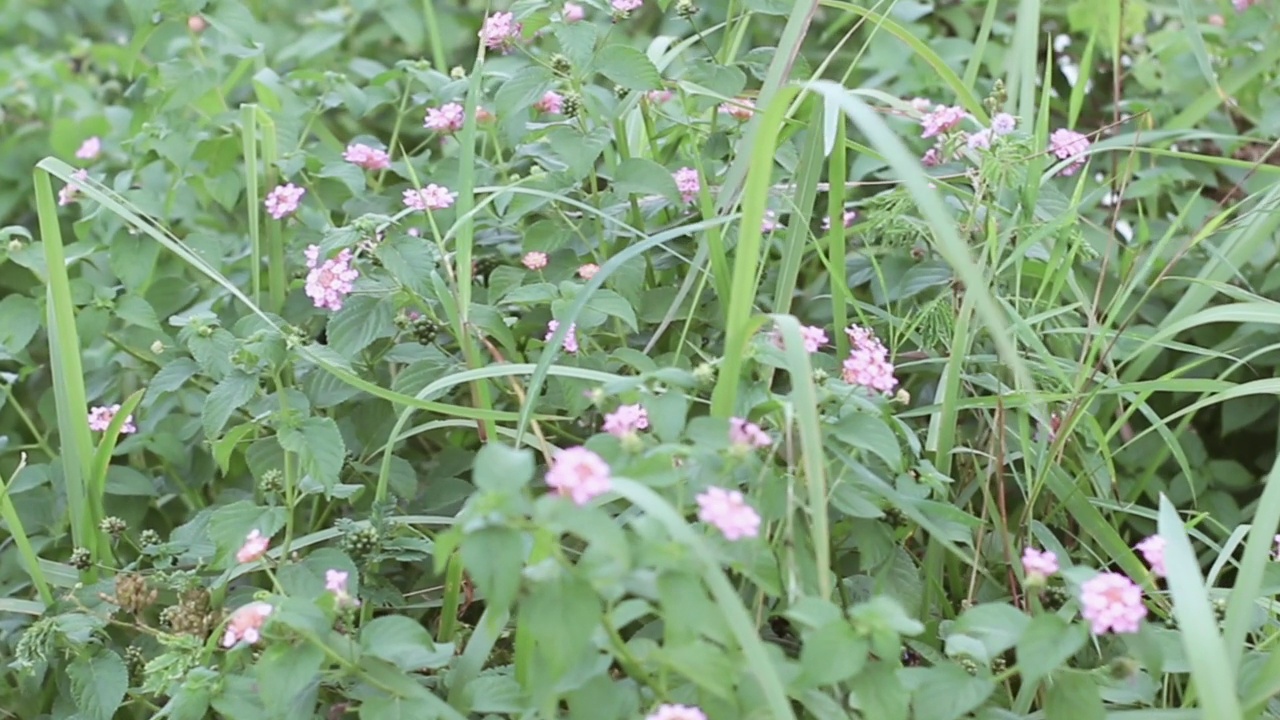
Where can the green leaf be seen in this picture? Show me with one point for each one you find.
(135, 310)
(603, 301)
(523, 89)
(501, 468)
(869, 432)
(361, 320)
(724, 80)
(629, 68)
(1073, 695)
(493, 557)
(289, 678)
(410, 261)
(831, 653)
(578, 151)
(577, 41)
(561, 615)
(646, 177)
(225, 398)
(319, 446)
(230, 524)
(704, 664)
(98, 684)
(170, 378)
(997, 625)
(21, 321)
(879, 694)
(1047, 643)
(404, 643)
(668, 413)
(350, 175)
(948, 692)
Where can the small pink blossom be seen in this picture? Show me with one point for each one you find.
(588, 271)
(551, 102)
(676, 712)
(868, 362)
(626, 6)
(657, 97)
(770, 222)
(284, 200)
(849, 216)
(431, 197)
(90, 148)
(100, 419)
(747, 434)
(447, 118)
(921, 105)
(71, 191)
(369, 158)
(932, 157)
(739, 108)
(579, 474)
(246, 623)
(572, 12)
(980, 140)
(688, 183)
(1038, 564)
(335, 581)
(255, 546)
(570, 338)
(500, 31)
(1152, 550)
(1069, 145)
(943, 119)
(812, 336)
(1003, 123)
(1242, 5)
(1112, 602)
(1276, 540)
(331, 281)
(627, 419)
(534, 260)
(729, 512)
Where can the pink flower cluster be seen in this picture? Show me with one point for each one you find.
(1037, 565)
(1069, 145)
(687, 183)
(284, 200)
(534, 260)
(626, 6)
(579, 474)
(676, 712)
(447, 118)
(813, 337)
(369, 158)
(626, 420)
(770, 222)
(255, 546)
(431, 197)
(500, 31)
(71, 191)
(90, 148)
(849, 216)
(246, 623)
(570, 339)
(1152, 550)
(729, 512)
(943, 118)
(1112, 602)
(572, 12)
(100, 419)
(335, 581)
(740, 109)
(588, 271)
(331, 281)
(551, 102)
(746, 435)
(868, 362)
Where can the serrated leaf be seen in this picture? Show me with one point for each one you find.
(629, 68)
(725, 81)
(832, 653)
(646, 177)
(997, 625)
(230, 524)
(562, 614)
(21, 321)
(98, 684)
(410, 261)
(361, 320)
(1047, 643)
(404, 643)
(577, 42)
(577, 150)
(868, 432)
(613, 304)
(319, 446)
(530, 294)
(948, 692)
(224, 399)
(224, 446)
(501, 468)
(170, 378)
(135, 310)
(493, 557)
(1074, 695)
(523, 89)
(288, 678)
(350, 175)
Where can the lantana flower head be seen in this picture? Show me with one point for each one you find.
(728, 512)
(1037, 565)
(100, 419)
(812, 336)
(744, 434)
(330, 281)
(626, 6)
(676, 712)
(570, 339)
(284, 200)
(573, 12)
(1111, 602)
(245, 624)
(431, 197)
(942, 119)
(739, 108)
(848, 217)
(579, 474)
(335, 581)
(1069, 145)
(534, 260)
(1152, 549)
(1003, 123)
(868, 362)
(588, 271)
(551, 102)
(255, 546)
(369, 158)
(71, 191)
(626, 420)
(688, 183)
(447, 118)
(90, 148)
(500, 31)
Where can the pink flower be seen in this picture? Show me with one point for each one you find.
(1277, 542)
(676, 712)
(659, 96)
(500, 31)
(367, 157)
(431, 197)
(579, 474)
(1003, 123)
(331, 281)
(335, 581)
(551, 102)
(739, 108)
(1069, 145)
(626, 6)
(868, 362)
(1152, 550)
(572, 12)
(446, 118)
(71, 191)
(1038, 564)
(90, 148)
(570, 338)
(255, 546)
(588, 271)
(980, 140)
(747, 434)
(848, 217)
(729, 512)
(770, 222)
(627, 419)
(921, 105)
(1112, 602)
(100, 419)
(246, 623)
(1242, 5)
(688, 183)
(534, 260)
(942, 119)
(932, 157)
(813, 337)
(284, 200)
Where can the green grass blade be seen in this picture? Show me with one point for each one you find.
(1258, 552)
(26, 553)
(249, 141)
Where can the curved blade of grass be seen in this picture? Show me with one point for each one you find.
(727, 599)
(75, 442)
(26, 553)
(1212, 671)
(1258, 552)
